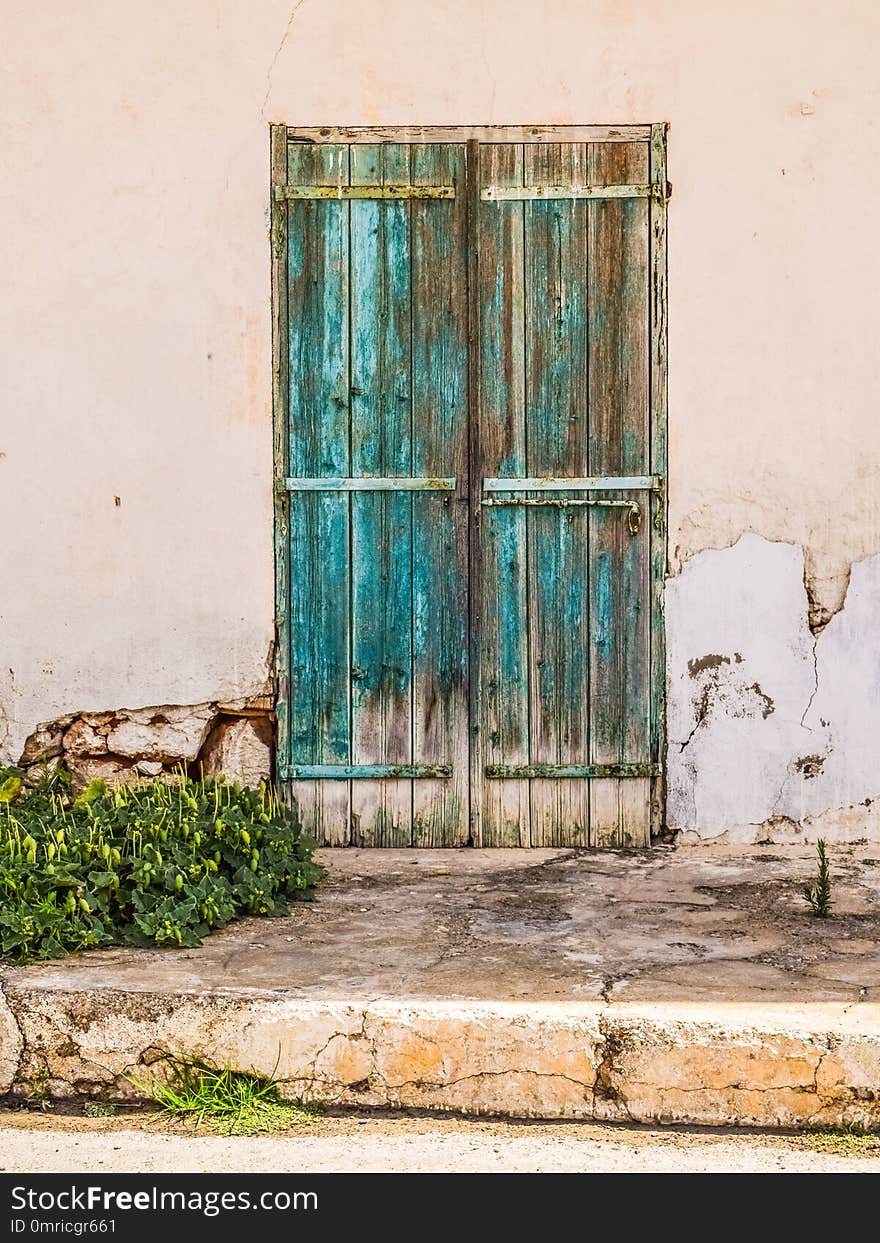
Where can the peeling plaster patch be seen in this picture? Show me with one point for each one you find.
(712, 661)
(810, 765)
(717, 524)
(826, 583)
(846, 705)
(852, 825)
(739, 768)
(734, 724)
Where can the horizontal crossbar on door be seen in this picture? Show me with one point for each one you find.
(368, 772)
(364, 484)
(633, 514)
(342, 193)
(555, 502)
(597, 771)
(590, 483)
(468, 133)
(531, 194)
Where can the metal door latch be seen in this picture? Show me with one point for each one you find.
(633, 509)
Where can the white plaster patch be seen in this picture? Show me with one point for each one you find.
(739, 677)
(738, 642)
(844, 716)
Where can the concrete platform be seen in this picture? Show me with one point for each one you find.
(686, 985)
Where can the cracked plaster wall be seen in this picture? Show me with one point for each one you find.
(772, 730)
(135, 439)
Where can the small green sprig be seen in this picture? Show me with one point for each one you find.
(818, 894)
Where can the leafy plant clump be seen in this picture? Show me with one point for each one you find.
(145, 864)
(227, 1101)
(818, 895)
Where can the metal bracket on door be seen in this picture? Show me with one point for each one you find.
(659, 191)
(588, 772)
(633, 509)
(363, 772)
(370, 483)
(589, 483)
(359, 193)
(586, 483)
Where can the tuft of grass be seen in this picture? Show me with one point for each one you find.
(818, 895)
(227, 1101)
(854, 1142)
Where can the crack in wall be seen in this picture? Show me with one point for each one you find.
(815, 690)
(279, 49)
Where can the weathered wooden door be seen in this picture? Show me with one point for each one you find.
(470, 451)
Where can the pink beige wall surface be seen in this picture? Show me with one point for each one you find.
(135, 419)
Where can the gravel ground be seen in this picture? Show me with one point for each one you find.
(32, 1142)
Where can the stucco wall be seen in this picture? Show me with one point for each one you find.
(135, 331)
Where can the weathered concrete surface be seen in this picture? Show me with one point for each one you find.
(674, 985)
(772, 730)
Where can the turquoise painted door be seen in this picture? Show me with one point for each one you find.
(471, 535)
(569, 496)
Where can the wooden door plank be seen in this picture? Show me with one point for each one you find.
(440, 534)
(556, 423)
(503, 686)
(381, 522)
(658, 466)
(280, 436)
(317, 280)
(619, 444)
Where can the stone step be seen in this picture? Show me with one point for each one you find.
(718, 1065)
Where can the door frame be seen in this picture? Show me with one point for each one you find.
(472, 136)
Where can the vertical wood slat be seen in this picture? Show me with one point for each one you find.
(556, 423)
(318, 383)
(381, 522)
(476, 741)
(619, 444)
(440, 529)
(278, 241)
(503, 686)
(658, 305)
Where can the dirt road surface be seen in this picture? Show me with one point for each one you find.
(54, 1142)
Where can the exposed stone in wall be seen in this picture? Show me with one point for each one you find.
(826, 583)
(130, 743)
(45, 743)
(240, 748)
(772, 727)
